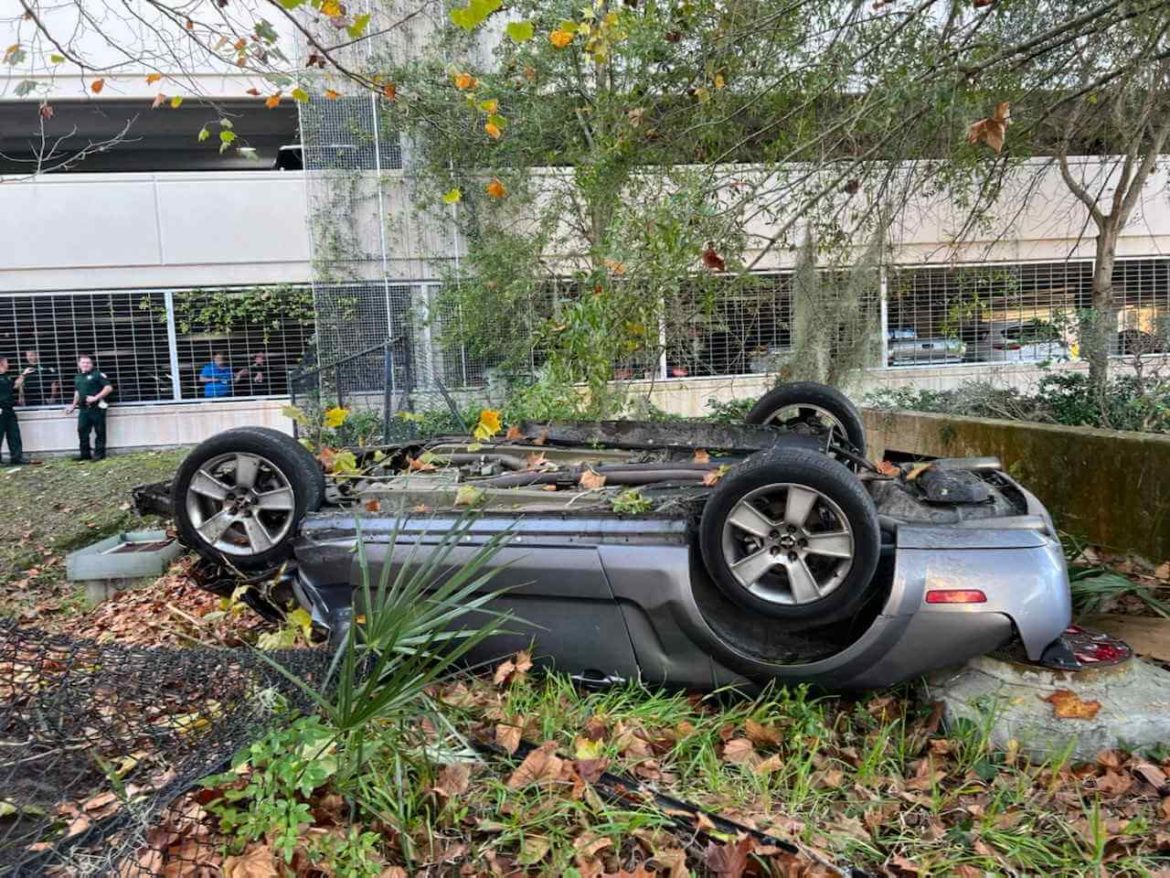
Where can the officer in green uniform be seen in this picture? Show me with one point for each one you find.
(90, 389)
(9, 428)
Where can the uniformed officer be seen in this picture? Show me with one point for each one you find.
(90, 389)
(41, 382)
(9, 428)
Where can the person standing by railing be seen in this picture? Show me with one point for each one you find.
(9, 426)
(90, 389)
(41, 382)
(216, 377)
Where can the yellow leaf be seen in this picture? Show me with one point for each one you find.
(493, 130)
(591, 480)
(587, 748)
(560, 38)
(273, 101)
(299, 94)
(495, 188)
(335, 417)
(468, 495)
(452, 196)
(917, 470)
(489, 106)
(488, 425)
(331, 95)
(176, 102)
(301, 619)
(465, 81)
(719, 81)
(1066, 704)
(152, 78)
(295, 413)
(331, 9)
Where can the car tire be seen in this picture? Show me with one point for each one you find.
(791, 534)
(806, 404)
(239, 496)
(309, 468)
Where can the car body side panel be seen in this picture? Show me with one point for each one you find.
(555, 593)
(626, 598)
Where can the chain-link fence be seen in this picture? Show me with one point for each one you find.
(97, 742)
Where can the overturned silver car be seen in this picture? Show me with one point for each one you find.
(681, 553)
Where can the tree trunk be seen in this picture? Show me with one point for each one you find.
(1097, 328)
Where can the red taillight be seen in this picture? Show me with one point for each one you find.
(956, 596)
(1010, 346)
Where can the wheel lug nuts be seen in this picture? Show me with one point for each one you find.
(775, 550)
(791, 556)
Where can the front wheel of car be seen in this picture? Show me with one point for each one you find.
(240, 496)
(808, 407)
(792, 534)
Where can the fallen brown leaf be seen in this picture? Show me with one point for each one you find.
(453, 780)
(256, 862)
(508, 736)
(541, 767)
(741, 751)
(1066, 704)
(513, 670)
(591, 480)
(762, 735)
(729, 860)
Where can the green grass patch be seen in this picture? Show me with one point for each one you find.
(62, 505)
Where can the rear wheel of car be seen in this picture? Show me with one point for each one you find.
(792, 534)
(808, 407)
(239, 496)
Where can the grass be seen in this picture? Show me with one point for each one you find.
(871, 781)
(59, 506)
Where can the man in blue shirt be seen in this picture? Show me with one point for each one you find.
(216, 377)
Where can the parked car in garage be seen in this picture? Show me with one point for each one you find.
(905, 348)
(679, 553)
(1016, 341)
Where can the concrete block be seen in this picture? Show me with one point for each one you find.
(1134, 699)
(125, 556)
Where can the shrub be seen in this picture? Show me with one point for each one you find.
(1061, 398)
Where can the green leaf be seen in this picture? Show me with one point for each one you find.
(290, 4)
(225, 139)
(463, 17)
(226, 123)
(204, 134)
(359, 25)
(474, 13)
(299, 94)
(56, 59)
(265, 31)
(520, 31)
(497, 120)
(452, 196)
(25, 87)
(176, 102)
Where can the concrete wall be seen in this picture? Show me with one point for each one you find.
(689, 396)
(1110, 487)
(51, 432)
(108, 231)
